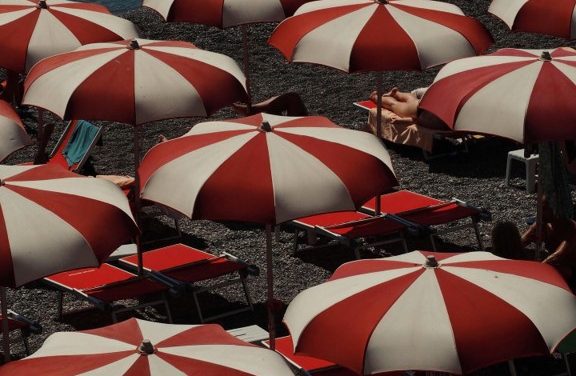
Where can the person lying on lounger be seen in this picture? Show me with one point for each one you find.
(405, 105)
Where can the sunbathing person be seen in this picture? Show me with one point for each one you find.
(405, 105)
(559, 238)
(507, 241)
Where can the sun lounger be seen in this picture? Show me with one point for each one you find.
(75, 144)
(403, 131)
(24, 325)
(428, 211)
(347, 227)
(307, 364)
(107, 284)
(179, 265)
(404, 212)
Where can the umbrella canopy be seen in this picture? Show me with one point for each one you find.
(32, 30)
(53, 220)
(138, 347)
(255, 169)
(552, 17)
(474, 94)
(368, 35)
(13, 136)
(224, 13)
(135, 82)
(433, 311)
(266, 169)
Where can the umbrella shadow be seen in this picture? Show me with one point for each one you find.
(158, 232)
(324, 254)
(485, 158)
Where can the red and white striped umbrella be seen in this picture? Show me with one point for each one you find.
(433, 311)
(552, 17)
(266, 169)
(475, 94)
(135, 82)
(138, 347)
(224, 13)
(368, 35)
(53, 220)
(255, 169)
(32, 30)
(13, 136)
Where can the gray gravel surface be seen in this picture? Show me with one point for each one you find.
(476, 176)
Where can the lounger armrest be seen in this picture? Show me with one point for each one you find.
(32, 326)
(98, 303)
(483, 214)
(176, 288)
(250, 269)
(412, 228)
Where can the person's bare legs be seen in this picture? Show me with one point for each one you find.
(401, 103)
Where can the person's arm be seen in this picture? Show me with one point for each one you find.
(558, 257)
(530, 235)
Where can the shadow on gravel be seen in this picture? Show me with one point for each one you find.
(485, 158)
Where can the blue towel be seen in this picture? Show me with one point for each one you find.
(80, 142)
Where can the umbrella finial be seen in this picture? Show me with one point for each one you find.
(383, 2)
(134, 45)
(42, 4)
(431, 262)
(545, 56)
(266, 127)
(146, 347)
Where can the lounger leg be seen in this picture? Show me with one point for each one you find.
(477, 232)
(404, 243)
(567, 363)
(433, 242)
(198, 309)
(246, 292)
(167, 308)
(295, 246)
(177, 226)
(512, 368)
(60, 308)
(25, 343)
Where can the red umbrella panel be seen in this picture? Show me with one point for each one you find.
(367, 35)
(255, 169)
(32, 30)
(138, 347)
(551, 17)
(13, 136)
(448, 312)
(136, 82)
(474, 94)
(224, 13)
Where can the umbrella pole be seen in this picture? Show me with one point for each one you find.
(137, 205)
(5, 331)
(270, 283)
(539, 219)
(246, 61)
(379, 80)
